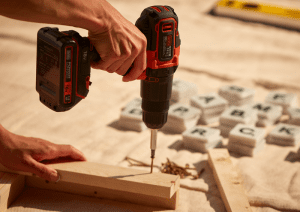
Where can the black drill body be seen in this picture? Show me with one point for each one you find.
(158, 24)
(63, 65)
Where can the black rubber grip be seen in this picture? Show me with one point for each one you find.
(96, 58)
(95, 55)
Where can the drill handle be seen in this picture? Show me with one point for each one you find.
(95, 57)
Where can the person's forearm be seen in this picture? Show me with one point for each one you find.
(85, 14)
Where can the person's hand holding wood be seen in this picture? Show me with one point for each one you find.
(20, 153)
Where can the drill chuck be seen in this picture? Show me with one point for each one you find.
(155, 120)
(156, 101)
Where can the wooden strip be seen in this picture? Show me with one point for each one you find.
(118, 179)
(228, 181)
(104, 193)
(11, 185)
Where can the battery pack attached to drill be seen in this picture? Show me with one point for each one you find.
(63, 68)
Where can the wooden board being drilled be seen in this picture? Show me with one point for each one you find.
(228, 181)
(110, 182)
(11, 185)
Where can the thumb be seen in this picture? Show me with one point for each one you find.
(42, 170)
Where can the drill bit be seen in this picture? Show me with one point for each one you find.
(151, 165)
(153, 146)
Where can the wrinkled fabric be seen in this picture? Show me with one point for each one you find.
(215, 51)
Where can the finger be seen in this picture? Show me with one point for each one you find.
(58, 160)
(122, 65)
(139, 66)
(102, 64)
(114, 54)
(115, 66)
(70, 151)
(41, 170)
(125, 66)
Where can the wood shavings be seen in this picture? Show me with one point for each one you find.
(169, 168)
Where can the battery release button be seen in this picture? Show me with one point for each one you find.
(87, 82)
(67, 98)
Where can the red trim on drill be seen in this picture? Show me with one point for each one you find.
(87, 82)
(167, 27)
(143, 76)
(157, 9)
(68, 85)
(152, 56)
(165, 8)
(76, 67)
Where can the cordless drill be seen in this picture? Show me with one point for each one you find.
(63, 67)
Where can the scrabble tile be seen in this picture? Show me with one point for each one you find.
(246, 135)
(241, 103)
(132, 117)
(136, 102)
(294, 113)
(181, 117)
(280, 142)
(206, 121)
(234, 93)
(132, 113)
(267, 111)
(283, 99)
(238, 114)
(225, 130)
(132, 125)
(209, 116)
(183, 112)
(265, 122)
(285, 135)
(286, 131)
(209, 102)
(182, 91)
(246, 150)
(202, 134)
(294, 122)
(235, 102)
(178, 127)
(202, 147)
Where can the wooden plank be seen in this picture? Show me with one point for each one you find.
(228, 181)
(43, 200)
(104, 193)
(118, 183)
(11, 185)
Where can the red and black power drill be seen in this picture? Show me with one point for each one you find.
(63, 67)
